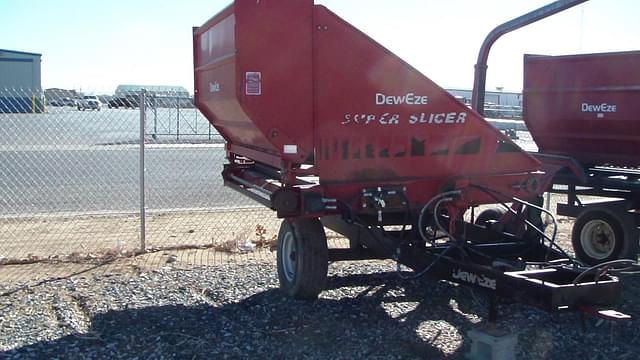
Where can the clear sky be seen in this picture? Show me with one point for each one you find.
(96, 45)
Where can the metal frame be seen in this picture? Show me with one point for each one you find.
(485, 259)
(554, 289)
(620, 185)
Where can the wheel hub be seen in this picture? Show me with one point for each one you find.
(289, 257)
(598, 239)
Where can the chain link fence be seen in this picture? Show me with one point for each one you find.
(78, 187)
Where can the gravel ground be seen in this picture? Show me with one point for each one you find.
(236, 311)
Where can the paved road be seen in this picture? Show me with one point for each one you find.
(63, 162)
(107, 179)
(65, 127)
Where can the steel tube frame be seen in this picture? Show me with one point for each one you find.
(480, 76)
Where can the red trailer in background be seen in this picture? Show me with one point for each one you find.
(330, 129)
(587, 107)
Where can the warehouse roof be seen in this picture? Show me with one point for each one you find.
(18, 52)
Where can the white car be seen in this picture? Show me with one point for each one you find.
(90, 102)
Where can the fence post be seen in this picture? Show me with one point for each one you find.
(155, 116)
(177, 118)
(143, 101)
(195, 118)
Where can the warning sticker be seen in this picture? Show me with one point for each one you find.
(253, 83)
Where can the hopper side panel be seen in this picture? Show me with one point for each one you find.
(274, 72)
(217, 84)
(379, 119)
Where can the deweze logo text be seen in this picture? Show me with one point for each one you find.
(474, 279)
(600, 108)
(408, 99)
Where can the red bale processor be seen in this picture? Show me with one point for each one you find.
(330, 129)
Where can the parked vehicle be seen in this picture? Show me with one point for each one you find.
(126, 102)
(90, 102)
(68, 102)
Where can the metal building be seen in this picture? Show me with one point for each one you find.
(158, 90)
(502, 98)
(20, 82)
(158, 95)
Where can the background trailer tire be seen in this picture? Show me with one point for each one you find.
(490, 218)
(302, 258)
(601, 234)
(488, 215)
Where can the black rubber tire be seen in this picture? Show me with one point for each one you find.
(303, 274)
(489, 214)
(617, 235)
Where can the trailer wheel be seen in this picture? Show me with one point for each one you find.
(496, 214)
(302, 258)
(601, 235)
(488, 215)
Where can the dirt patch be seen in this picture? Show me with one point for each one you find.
(56, 246)
(50, 236)
(72, 243)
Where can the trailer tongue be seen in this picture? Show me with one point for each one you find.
(330, 129)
